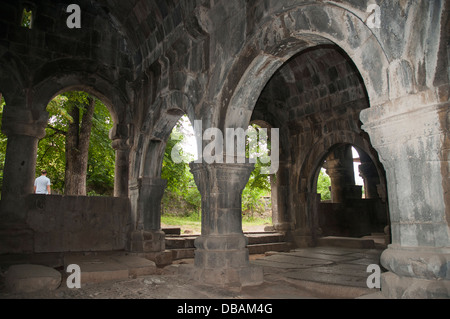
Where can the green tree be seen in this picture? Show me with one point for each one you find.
(323, 185)
(65, 136)
(181, 192)
(258, 185)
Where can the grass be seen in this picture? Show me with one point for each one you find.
(191, 224)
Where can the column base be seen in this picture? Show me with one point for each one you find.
(283, 227)
(224, 261)
(416, 272)
(400, 287)
(160, 258)
(229, 277)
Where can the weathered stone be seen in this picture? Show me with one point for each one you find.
(28, 278)
(311, 69)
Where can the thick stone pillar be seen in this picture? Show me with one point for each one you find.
(122, 167)
(20, 166)
(337, 172)
(121, 143)
(221, 256)
(280, 192)
(18, 180)
(145, 197)
(409, 137)
(369, 174)
(307, 225)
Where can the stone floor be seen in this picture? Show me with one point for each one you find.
(321, 272)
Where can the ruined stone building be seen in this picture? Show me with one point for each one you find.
(331, 75)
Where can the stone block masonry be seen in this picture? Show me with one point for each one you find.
(78, 223)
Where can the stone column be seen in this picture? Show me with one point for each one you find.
(119, 135)
(145, 197)
(122, 167)
(20, 165)
(369, 174)
(409, 138)
(307, 225)
(337, 173)
(280, 214)
(221, 256)
(18, 180)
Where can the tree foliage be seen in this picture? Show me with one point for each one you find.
(51, 149)
(258, 188)
(181, 192)
(323, 185)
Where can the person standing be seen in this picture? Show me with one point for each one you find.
(42, 184)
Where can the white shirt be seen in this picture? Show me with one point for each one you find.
(41, 184)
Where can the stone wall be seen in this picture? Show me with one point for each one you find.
(356, 218)
(78, 223)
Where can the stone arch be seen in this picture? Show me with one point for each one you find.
(320, 149)
(49, 83)
(169, 109)
(289, 33)
(146, 186)
(79, 75)
(306, 216)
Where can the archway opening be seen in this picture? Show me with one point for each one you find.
(324, 180)
(257, 194)
(76, 151)
(181, 202)
(352, 208)
(315, 99)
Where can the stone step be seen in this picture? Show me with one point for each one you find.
(346, 242)
(263, 248)
(264, 238)
(258, 243)
(179, 242)
(182, 253)
(101, 268)
(171, 230)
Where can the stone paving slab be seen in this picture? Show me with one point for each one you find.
(290, 261)
(338, 251)
(95, 269)
(308, 253)
(343, 269)
(366, 261)
(276, 265)
(329, 278)
(326, 265)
